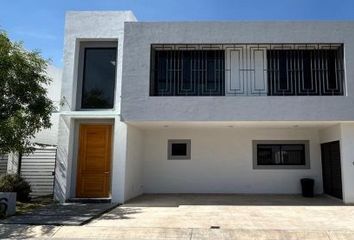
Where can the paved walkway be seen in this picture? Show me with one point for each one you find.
(61, 214)
(209, 217)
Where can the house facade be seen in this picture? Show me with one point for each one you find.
(204, 107)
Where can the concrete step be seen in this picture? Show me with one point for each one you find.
(89, 200)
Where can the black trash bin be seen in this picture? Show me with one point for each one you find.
(307, 185)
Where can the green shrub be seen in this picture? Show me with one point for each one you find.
(15, 183)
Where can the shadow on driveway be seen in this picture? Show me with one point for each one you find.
(175, 200)
(61, 214)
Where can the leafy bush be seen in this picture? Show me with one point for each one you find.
(15, 183)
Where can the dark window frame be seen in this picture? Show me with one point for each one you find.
(170, 143)
(83, 46)
(305, 143)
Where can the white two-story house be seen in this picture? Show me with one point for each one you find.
(204, 107)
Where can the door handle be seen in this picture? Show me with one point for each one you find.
(106, 172)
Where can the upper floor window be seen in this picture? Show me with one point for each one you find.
(97, 75)
(247, 69)
(187, 73)
(305, 72)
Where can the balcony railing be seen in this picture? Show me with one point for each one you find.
(247, 70)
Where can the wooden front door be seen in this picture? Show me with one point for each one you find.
(94, 161)
(331, 169)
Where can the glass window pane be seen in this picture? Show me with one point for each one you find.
(293, 154)
(99, 78)
(268, 154)
(179, 149)
(281, 154)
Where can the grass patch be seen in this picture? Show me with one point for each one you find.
(25, 207)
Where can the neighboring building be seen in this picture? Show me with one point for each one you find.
(50, 136)
(204, 107)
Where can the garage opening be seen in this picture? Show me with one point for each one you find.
(331, 169)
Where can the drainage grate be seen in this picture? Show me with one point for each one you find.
(214, 227)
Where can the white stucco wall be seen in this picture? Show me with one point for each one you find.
(137, 105)
(222, 162)
(89, 26)
(347, 161)
(134, 163)
(330, 134)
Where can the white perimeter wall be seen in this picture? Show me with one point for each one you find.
(222, 162)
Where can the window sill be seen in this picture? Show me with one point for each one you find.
(283, 167)
(91, 114)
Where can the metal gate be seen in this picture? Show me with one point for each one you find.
(38, 169)
(3, 163)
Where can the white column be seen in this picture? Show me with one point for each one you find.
(119, 161)
(347, 161)
(64, 158)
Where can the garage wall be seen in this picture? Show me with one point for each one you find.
(347, 163)
(134, 163)
(330, 134)
(221, 162)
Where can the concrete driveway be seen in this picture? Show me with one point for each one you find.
(188, 216)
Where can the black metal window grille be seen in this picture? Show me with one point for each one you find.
(281, 154)
(305, 72)
(188, 73)
(283, 70)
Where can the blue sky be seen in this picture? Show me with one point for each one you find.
(40, 23)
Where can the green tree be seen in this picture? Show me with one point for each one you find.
(24, 106)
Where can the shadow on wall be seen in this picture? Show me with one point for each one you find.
(25, 232)
(60, 175)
